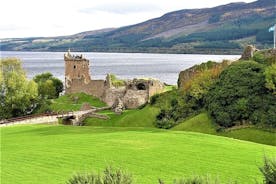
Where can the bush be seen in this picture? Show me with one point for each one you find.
(110, 176)
(194, 180)
(269, 170)
(116, 82)
(179, 108)
(154, 98)
(85, 179)
(240, 96)
(118, 176)
(266, 57)
(165, 123)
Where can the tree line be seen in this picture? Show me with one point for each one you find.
(20, 96)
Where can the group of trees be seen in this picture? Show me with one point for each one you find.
(20, 96)
(240, 96)
(243, 92)
(188, 100)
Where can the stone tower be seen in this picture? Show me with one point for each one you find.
(76, 69)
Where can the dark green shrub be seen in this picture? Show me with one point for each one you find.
(259, 57)
(269, 170)
(240, 96)
(194, 180)
(85, 179)
(266, 57)
(43, 106)
(177, 107)
(165, 123)
(109, 176)
(154, 98)
(116, 176)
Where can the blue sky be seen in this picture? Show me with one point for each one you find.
(59, 17)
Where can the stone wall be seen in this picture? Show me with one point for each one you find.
(135, 98)
(111, 95)
(38, 120)
(93, 87)
(155, 87)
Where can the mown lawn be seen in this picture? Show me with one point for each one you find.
(51, 153)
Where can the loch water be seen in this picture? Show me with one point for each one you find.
(164, 67)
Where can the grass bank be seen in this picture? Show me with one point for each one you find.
(130, 118)
(202, 123)
(74, 102)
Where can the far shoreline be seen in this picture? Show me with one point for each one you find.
(114, 52)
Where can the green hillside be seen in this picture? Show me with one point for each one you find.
(130, 118)
(202, 123)
(51, 154)
(74, 102)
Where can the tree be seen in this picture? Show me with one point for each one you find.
(48, 86)
(17, 94)
(240, 96)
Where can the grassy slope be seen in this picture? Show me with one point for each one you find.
(130, 118)
(146, 116)
(66, 102)
(202, 123)
(50, 154)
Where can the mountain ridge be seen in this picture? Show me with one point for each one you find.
(223, 29)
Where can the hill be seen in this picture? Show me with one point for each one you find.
(204, 124)
(51, 154)
(222, 29)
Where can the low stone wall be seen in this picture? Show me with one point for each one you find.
(38, 120)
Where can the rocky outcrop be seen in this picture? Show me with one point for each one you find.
(187, 75)
(248, 52)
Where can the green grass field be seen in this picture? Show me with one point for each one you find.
(52, 153)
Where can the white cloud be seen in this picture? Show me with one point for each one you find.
(52, 18)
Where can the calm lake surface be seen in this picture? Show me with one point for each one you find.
(164, 67)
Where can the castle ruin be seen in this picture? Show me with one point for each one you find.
(133, 94)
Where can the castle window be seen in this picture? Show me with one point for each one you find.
(141, 86)
(74, 66)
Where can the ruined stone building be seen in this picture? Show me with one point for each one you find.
(133, 94)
